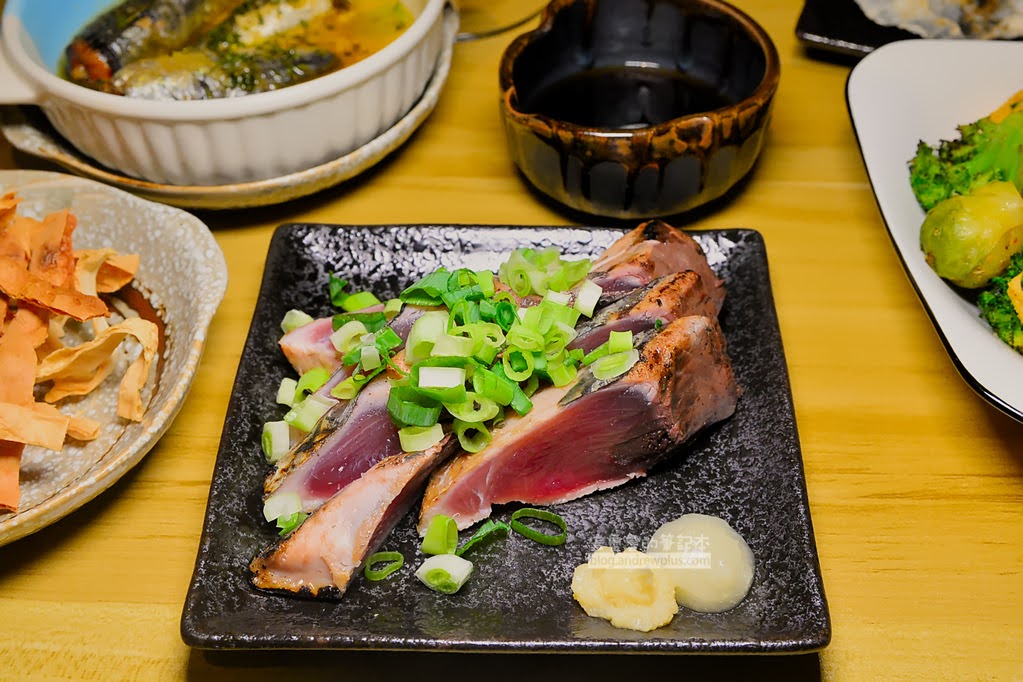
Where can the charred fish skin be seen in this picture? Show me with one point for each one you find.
(682, 383)
(661, 301)
(464, 487)
(652, 250)
(321, 557)
(134, 29)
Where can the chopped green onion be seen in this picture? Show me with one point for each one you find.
(370, 357)
(347, 336)
(293, 319)
(619, 342)
(559, 336)
(419, 438)
(472, 436)
(428, 290)
(350, 387)
(408, 408)
(518, 363)
(305, 415)
(444, 573)
(598, 352)
(286, 391)
(336, 287)
(557, 297)
(392, 307)
(532, 384)
(526, 338)
(489, 529)
(359, 301)
(505, 316)
(520, 402)
(463, 312)
(373, 321)
(441, 536)
(475, 408)
(535, 535)
(453, 346)
(310, 382)
(487, 384)
(281, 504)
(425, 331)
(395, 561)
(276, 440)
(614, 364)
(587, 297)
(441, 377)
(485, 280)
(286, 524)
(562, 374)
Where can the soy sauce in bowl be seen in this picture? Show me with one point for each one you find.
(624, 97)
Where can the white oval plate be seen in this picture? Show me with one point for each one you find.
(916, 90)
(33, 135)
(185, 289)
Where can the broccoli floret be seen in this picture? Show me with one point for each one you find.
(996, 306)
(985, 151)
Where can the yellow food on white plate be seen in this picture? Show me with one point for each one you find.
(626, 589)
(709, 564)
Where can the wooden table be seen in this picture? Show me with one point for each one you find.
(916, 484)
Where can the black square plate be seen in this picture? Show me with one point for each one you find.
(841, 26)
(747, 469)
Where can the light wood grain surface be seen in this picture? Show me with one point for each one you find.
(916, 484)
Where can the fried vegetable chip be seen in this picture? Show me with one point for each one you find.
(72, 369)
(21, 285)
(44, 283)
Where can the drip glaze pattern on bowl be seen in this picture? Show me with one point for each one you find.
(654, 166)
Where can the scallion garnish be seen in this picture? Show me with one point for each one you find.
(619, 342)
(305, 414)
(276, 440)
(281, 504)
(293, 319)
(427, 291)
(425, 331)
(445, 573)
(392, 307)
(310, 382)
(441, 536)
(408, 407)
(419, 438)
(614, 364)
(286, 391)
(472, 436)
(286, 524)
(535, 535)
(488, 530)
(347, 336)
(372, 321)
(395, 561)
(336, 288)
(587, 297)
(359, 301)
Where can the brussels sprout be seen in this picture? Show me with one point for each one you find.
(970, 239)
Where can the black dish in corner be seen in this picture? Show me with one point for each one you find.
(841, 27)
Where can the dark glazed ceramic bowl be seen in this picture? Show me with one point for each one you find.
(638, 108)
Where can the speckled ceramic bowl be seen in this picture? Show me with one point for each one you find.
(183, 291)
(638, 108)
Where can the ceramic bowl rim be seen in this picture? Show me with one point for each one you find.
(761, 95)
(296, 96)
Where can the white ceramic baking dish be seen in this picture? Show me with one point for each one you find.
(215, 142)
